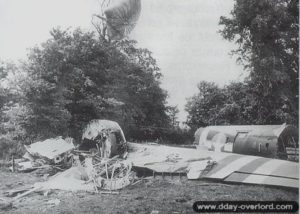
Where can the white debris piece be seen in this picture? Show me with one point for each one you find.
(51, 148)
(73, 179)
(25, 165)
(28, 156)
(53, 202)
(198, 168)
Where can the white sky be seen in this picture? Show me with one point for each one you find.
(182, 34)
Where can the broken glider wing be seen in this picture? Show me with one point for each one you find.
(121, 18)
(226, 167)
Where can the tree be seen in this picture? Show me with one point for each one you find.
(75, 77)
(233, 104)
(173, 112)
(3, 93)
(11, 110)
(203, 108)
(267, 35)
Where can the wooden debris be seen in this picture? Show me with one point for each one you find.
(13, 164)
(26, 193)
(5, 205)
(125, 155)
(138, 181)
(13, 193)
(46, 193)
(107, 161)
(110, 192)
(214, 184)
(54, 202)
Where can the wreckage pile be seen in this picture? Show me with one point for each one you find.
(81, 170)
(87, 167)
(49, 155)
(105, 163)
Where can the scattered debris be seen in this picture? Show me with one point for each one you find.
(15, 192)
(53, 202)
(5, 205)
(180, 200)
(89, 167)
(26, 193)
(109, 174)
(49, 156)
(110, 192)
(214, 184)
(103, 165)
(47, 192)
(138, 181)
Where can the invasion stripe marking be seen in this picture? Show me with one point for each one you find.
(287, 169)
(222, 163)
(262, 179)
(233, 166)
(269, 167)
(251, 167)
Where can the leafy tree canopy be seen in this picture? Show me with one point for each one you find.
(75, 77)
(267, 35)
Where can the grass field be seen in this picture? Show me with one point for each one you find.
(152, 194)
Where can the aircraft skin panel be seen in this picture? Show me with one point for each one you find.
(252, 166)
(262, 179)
(278, 168)
(224, 168)
(274, 167)
(287, 169)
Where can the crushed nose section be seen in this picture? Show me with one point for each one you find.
(104, 136)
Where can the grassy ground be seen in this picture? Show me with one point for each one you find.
(165, 196)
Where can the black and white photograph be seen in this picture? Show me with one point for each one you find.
(149, 106)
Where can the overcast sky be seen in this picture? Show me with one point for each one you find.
(182, 34)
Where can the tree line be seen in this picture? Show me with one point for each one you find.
(76, 76)
(266, 33)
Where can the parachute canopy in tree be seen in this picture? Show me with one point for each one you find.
(121, 17)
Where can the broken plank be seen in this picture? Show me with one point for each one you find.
(15, 192)
(26, 193)
(136, 182)
(109, 192)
